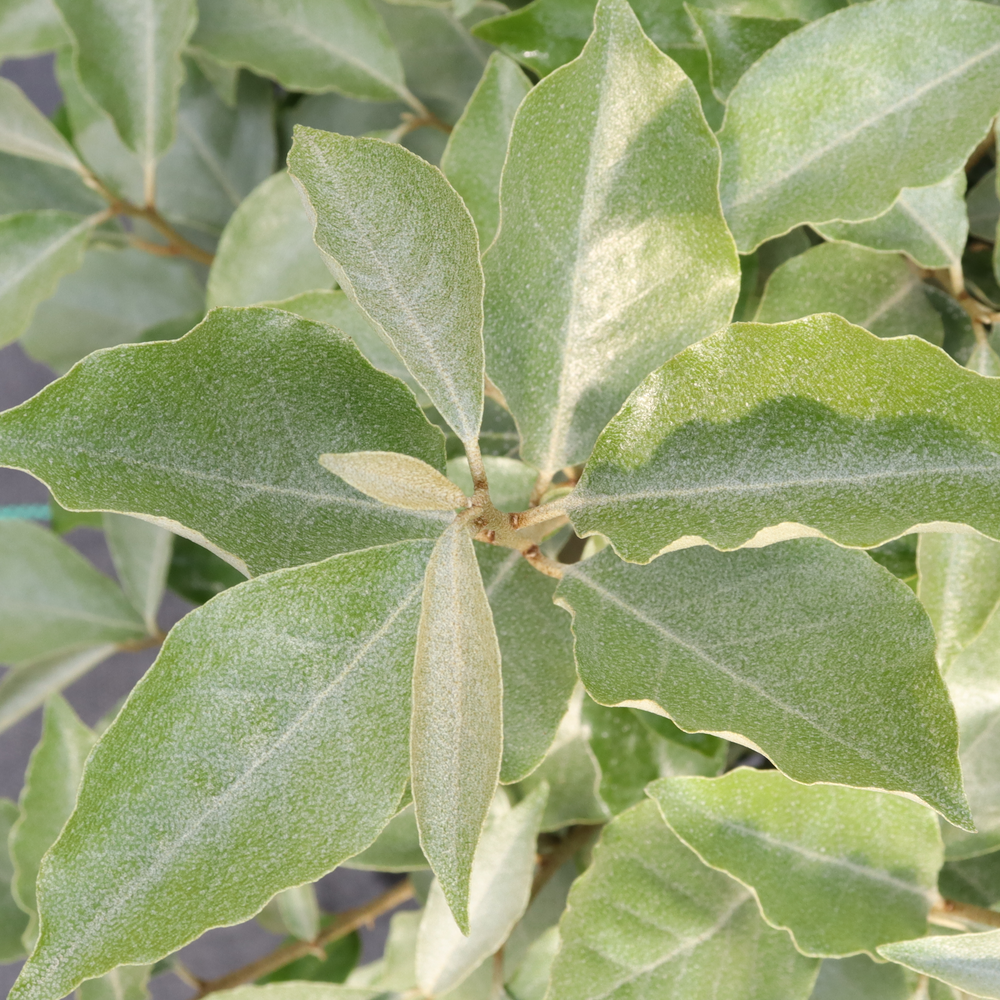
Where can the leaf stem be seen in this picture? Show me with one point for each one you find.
(347, 921)
(536, 515)
(965, 911)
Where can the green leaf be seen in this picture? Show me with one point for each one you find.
(477, 147)
(498, 896)
(218, 437)
(225, 80)
(52, 601)
(572, 773)
(28, 27)
(266, 252)
(127, 982)
(397, 848)
(649, 919)
(299, 911)
(410, 264)
(48, 798)
(972, 880)
(984, 207)
(113, 298)
(25, 131)
(456, 739)
(341, 957)
(632, 197)
(843, 870)
(831, 630)
(315, 661)
(511, 481)
(13, 920)
(631, 755)
(141, 554)
(301, 991)
(197, 574)
(398, 480)
(735, 43)
(708, 746)
(859, 978)
(928, 224)
(543, 913)
(796, 149)
(975, 691)
(129, 61)
(312, 46)
(536, 655)
(899, 557)
(823, 429)
(969, 961)
(31, 184)
(221, 153)
(882, 293)
(531, 981)
(26, 686)
(36, 250)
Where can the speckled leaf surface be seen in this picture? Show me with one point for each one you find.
(928, 224)
(860, 978)
(880, 292)
(641, 264)
(536, 653)
(456, 739)
(313, 46)
(25, 131)
(649, 919)
(403, 246)
(397, 848)
(838, 684)
(239, 743)
(395, 479)
(36, 250)
(823, 429)
(970, 962)
(47, 799)
(477, 147)
(266, 251)
(842, 869)
(52, 601)
(219, 434)
(798, 147)
(127, 982)
(129, 60)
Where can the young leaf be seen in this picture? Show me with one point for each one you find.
(28, 27)
(141, 554)
(52, 601)
(928, 224)
(114, 298)
(313, 662)
(399, 480)
(649, 919)
(25, 131)
(48, 798)
(217, 435)
(397, 848)
(299, 911)
(127, 982)
(859, 978)
(882, 293)
(13, 920)
(477, 146)
(536, 653)
(26, 685)
(631, 198)
(403, 246)
(498, 896)
(735, 43)
(823, 428)
(796, 149)
(266, 252)
(970, 962)
(456, 737)
(312, 46)
(843, 870)
(36, 250)
(837, 684)
(129, 61)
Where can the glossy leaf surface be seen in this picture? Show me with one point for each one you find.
(641, 264)
(188, 450)
(823, 429)
(312, 660)
(849, 693)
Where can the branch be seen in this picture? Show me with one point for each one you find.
(349, 920)
(965, 911)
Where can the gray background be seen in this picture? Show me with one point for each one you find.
(219, 950)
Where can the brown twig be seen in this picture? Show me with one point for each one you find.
(349, 920)
(966, 911)
(145, 643)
